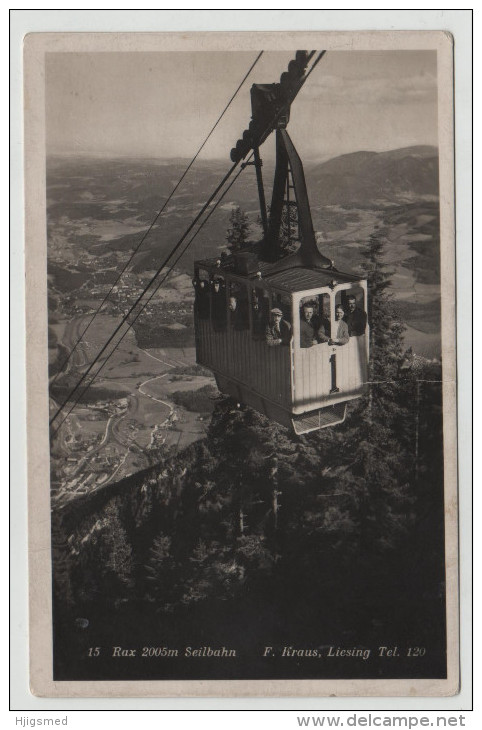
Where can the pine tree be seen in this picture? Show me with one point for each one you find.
(238, 231)
(289, 237)
(377, 433)
(386, 330)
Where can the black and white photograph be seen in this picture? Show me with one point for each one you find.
(246, 367)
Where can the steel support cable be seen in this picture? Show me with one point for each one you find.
(144, 305)
(314, 64)
(137, 248)
(193, 223)
(172, 265)
(141, 295)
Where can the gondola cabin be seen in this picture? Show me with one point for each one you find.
(301, 363)
(303, 387)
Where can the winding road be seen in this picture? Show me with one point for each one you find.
(114, 430)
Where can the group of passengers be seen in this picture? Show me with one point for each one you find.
(314, 329)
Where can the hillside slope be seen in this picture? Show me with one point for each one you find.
(366, 177)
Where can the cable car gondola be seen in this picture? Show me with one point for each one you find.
(300, 385)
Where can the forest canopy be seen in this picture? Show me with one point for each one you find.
(254, 516)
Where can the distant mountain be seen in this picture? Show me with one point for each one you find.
(100, 209)
(103, 205)
(358, 177)
(365, 177)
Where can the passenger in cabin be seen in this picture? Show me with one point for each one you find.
(238, 313)
(233, 311)
(259, 317)
(341, 329)
(278, 331)
(355, 318)
(219, 305)
(324, 330)
(309, 326)
(202, 299)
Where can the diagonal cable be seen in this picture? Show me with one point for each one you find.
(159, 284)
(125, 319)
(141, 295)
(137, 248)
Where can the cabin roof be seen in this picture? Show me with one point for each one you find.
(297, 278)
(301, 279)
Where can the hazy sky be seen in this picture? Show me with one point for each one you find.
(164, 104)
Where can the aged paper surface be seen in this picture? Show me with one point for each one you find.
(194, 548)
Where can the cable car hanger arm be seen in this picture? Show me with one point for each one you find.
(273, 101)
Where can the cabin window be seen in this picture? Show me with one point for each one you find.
(324, 316)
(201, 294)
(218, 303)
(238, 307)
(278, 330)
(259, 312)
(353, 302)
(314, 316)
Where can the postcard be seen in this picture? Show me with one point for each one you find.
(241, 364)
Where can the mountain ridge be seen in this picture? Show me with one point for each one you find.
(364, 176)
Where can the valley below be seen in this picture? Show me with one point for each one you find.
(151, 399)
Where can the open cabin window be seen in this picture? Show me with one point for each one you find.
(259, 312)
(352, 300)
(325, 319)
(218, 303)
(278, 325)
(314, 320)
(238, 306)
(201, 294)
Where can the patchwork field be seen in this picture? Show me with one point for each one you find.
(143, 402)
(110, 437)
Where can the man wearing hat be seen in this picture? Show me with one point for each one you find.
(278, 331)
